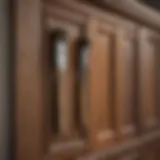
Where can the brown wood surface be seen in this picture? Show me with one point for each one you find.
(65, 80)
(69, 112)
(147, 81)
(28, 81)
(102, 129)
(117, 90)
(124, 83)
(136, 10)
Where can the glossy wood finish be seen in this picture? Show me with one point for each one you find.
(107, 109)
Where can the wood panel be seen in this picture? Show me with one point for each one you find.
(83, 105)
(102, 131)
(28, 93)
(125, 83)
(64, 74)
(147, 80)
(64, 135)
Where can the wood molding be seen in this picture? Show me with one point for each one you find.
(136, 10)
(129, 145)
(122, 10)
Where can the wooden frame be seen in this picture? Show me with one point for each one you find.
(29, 67)
(28, 81)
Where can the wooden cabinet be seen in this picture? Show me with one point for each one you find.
(112, 83)
(86, 82)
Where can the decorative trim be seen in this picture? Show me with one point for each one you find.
(136, 10)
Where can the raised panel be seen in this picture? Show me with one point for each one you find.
(62, 74)
(101, 129)
(130, 156)
(147, 80)
(64, 107)
(125, 82)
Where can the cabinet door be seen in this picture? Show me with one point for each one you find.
(125, 82)
(112, 83)
(101, 121)
(147, 80)
(65, 88)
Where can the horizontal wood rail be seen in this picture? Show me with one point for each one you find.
(123, 147)
(135, 10)
(130, 8)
